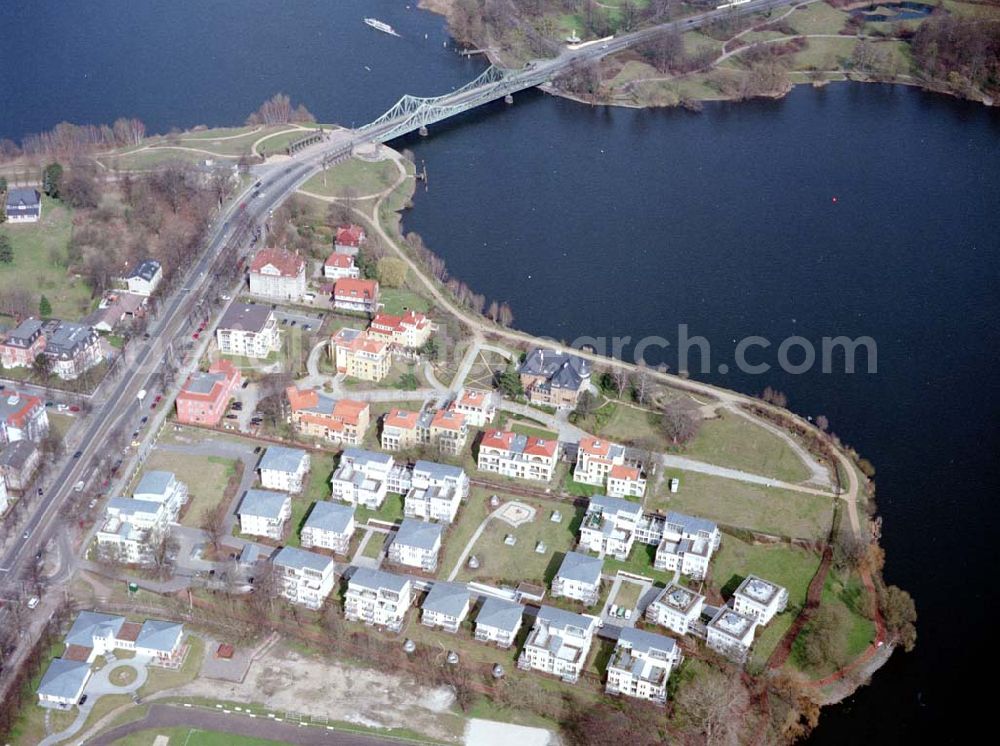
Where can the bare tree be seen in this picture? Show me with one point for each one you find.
(621, 378)
(213, 523)
(680, 422)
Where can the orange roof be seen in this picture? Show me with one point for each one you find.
(301, 399)
(497, 439)
(540, 447)
(402, 418)
(349, 410)
(473, 398)
(343, 261)
(26, 403)
(350, 235)
(356, 341)
(288, 263)
(624, 472)
(448, 420)
(595, 446)
(353, 288)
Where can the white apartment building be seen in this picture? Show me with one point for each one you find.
(609, 526)
(248, 331)
(606, 464)
(306, 577)
(518, 456)
(687, 545)
(436, 491)
(263, 513)
(731, 633)
(675, 608)
(364, 478)
(760, 599)
(330, 526)
(163, 487)
(579, 578)
(446, 606)
(377, 598)
(417, 544)
(131, 529)
(283, 468)
(278, 274)
(499, 621)
(626, 481)
(641, 664)
(478, 406)
(558, 643)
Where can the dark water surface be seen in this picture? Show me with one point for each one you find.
(852, 210)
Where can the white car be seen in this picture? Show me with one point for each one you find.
(628, 614)
(33, 602)
(614, 610)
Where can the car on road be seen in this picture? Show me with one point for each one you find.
(237, 406)
(49, 403)
(78, 487)
(92, 503)
(77, 454)
(196, 335)
(245, 384)
(232, 417)
(144, 420)
(257, 449)
(74, 408)
(83, 700)
(33, 602)
(26, 534)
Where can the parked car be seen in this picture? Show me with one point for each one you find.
(257, 449)
(33, 602)
(245, 384)
(83, 700)
(232, 417)
(196, 335)
(144, 420)
(74, 408)
(78, 454)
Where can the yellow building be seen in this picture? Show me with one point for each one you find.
(361, 356)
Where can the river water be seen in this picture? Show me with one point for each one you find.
(851, 210)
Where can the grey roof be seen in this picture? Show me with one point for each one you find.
(154, 483)
(505, 615)
(249, 554)
(560, 369)
(202, 382)
(614, 505)
(246, 317)
(759, 590)
(438, 471)
(147, 270)
(414, 533)
(88, 623)
(16, 455)
(159, 635)
(562, 619)
(581, 568)
(330, 516)
(361, 456)
(263, 503)
(23, 201)
(450, 599)
(64, 338)
(64, 678)
(691, 524)
(25, 331)
(131, 506)
(300, 559)
(644, 642)
(376, 579)
(279, 458)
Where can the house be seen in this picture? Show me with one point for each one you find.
(306, 577)
(115, 309)
(63, 682)
(446, 606)
(626, 481)
(283, 468)
(554, 378)
(277, 274)
(364, 477)
(248, 330)
(675, 608)
(20, 346)
(400, 430)
(410, 331)
(22, 417)
(687, 545)
(319, 416)
(449, 431)
(338, 266)
(731, 633)
(606, 464)
(760, 599)
(348, 239)
(417, 544)
(263, 513)
(162, 487)
(608, 526)
(479, 407)
(131, 529)
(640, 665)
(94, 634)
(377, 598)
(499, 621)
(24, 205)
(361, 356)
(444, 429)
(160, 640)
(330, 526)
(353, 294)
(436, 491)
(579, 578)
(145, 278)
(519, 456)
(558, 643)
(72, 349)
(205, 395)
(18, 463)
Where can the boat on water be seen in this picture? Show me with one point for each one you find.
(381, 26)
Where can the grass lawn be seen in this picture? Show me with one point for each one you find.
(625, 424)
(628, 594)
(122, 675)
(534, 431)
(277, 143)
(59, 424)
(397, 301)
(363, 177)
(184, 736)
(205, 476)
(825, 54)
(30, 725)
(639, 562)
(390, 512)
(161, 678)
(818, 18)
(738, 443)
(374, 546)
(470, 515)
(579, 489)
(35, 246)
(766, 509)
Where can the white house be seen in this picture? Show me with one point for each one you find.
(160, 640)
(478, 406)
(760, 599)
(131, 529)
(248, 331)
(446, 606)
(278, 274)
(675, 608)
(162, 487)
(22, 417)
(145, 278)
(338, 266)
(641, 664)
(609, 526)
(416, 544)
(499, 621)
(306, 577)
(330, 526)
(263, 513)
(731, 633)
(364, 477)
(63, 682)
(436, 491)
(283, 468)
(377, 598)
(626, 480)
(687, 545)
(23, 205)
(579, 578)
(558, 643)
(603, 463)
(518, 456)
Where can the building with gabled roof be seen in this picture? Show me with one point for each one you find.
(554, 378)
(205, 395)
(446, 606)
(144, 278)
(410, 331)
(360, 355)
(264, 513)
(579, 578)
(449, 431)
(558, 643)
(338, 266)
(355, 294)
(401, 430)
(641, 664)
(162, 487)
(283, 468)
(248, 330)
(278, 274)
(518, 456)
(378, 598)
(317, 415)
(329, 525)
(477, 405)
(417, 544)
(22, 417)
(606, 464)
(499, 621)
(24, 205)
(306, 577)
(348, 239)
(63, 683)
(159, 639)
(18, 462)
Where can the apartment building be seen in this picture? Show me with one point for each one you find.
(278, 274)
(264, 513)
(641, 664)
(436, 491)
(579, 578)
(558, 643)
(760, 599)
(247, 330)
(306, 578)
(317, 415)
(361, 356)
(284, 468)
(608, 526)
(499, 621)
(378, 598)
(687, 545)
(417, 544)
(518, 456)
(675, 608)
(446, 606)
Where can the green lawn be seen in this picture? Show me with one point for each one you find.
(390, 512)
(275, 144)
(397, 301)
(36, 245)
(817, 18)
(470, 515)
(363, 177)
(151, 158)
(536, 432)
(374, 546)
(191, 737)
(205, 476)
(628, 594)
(626, 424)
(639, 562)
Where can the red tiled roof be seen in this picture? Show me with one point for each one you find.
(539, 447)
(343, 261)
(129, 632)
(402, 418)
(473, 398)
(26, 403)
(350, 235)
(624, 472)
(497, 439)
(352, 288)
(76, 653)
(287, 263)
(595, 446)
(448, 419)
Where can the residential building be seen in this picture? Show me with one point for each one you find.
(131, 529)
(306, 577)
(353, 294)
(760, 599)
(361, 356)
(579, 578)
(162, 487)
(278, 274)
(248, 330)
(558, 643)
(446, 606)
(731, 633)
(410, 331)
(675, 608)
(377, 598)
(687, 545)
(338, 266)
(330, 526)
(205, 395)
(436, 491)
(159, 640)
(640, 665)
(24, 205)
(263, 513)
(18, 462)
(20, 346)
(601, 462)
(554, 378)
(626, 481)
(364, 478)
(400, 430)
(519, 456)
(317, 415)
(478, 406)
(93, 634)
(348, 239)
(64, 680)
(145, 278)
(283, 468)
(449, 431)
(72, 349)
(608, 527)
(499, 621)
(417, 544)
(115, 309)
(22, 417)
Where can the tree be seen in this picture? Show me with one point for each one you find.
(642, 385)
(3, 184)
(52, 180)
(42, 366)
(213, 523)
(621, 378)
(6, 250)
(775, 397)
(585, 405)
(680, 422)
(505, 316)
(823, 423)
(79, 189)
(816, 644)
(391, 272)
(711, 703)
(510, 383)
(44, 308)
(900, 615)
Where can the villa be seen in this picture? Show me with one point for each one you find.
(360, 355)
(554, 378)
(518, 456)
(278, 274)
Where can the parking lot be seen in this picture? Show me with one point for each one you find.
(306, 321)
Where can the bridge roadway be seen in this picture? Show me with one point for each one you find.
(115, 400)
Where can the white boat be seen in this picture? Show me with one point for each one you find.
(381, 26)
